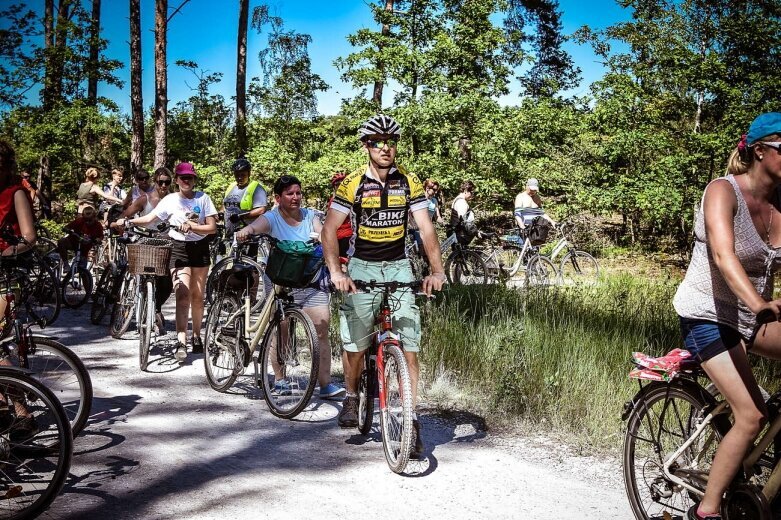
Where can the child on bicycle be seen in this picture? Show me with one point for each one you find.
(86, 225)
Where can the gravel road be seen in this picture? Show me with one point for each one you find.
(162, 444)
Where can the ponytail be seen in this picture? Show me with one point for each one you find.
(740, 161)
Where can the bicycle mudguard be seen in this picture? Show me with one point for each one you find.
(45, 336)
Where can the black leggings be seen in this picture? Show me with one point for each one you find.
(164, 286)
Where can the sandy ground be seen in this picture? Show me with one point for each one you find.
(162, 444)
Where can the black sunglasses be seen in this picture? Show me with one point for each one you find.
(164, 183)
(142, 178)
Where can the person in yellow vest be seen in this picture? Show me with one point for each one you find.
(246, 197)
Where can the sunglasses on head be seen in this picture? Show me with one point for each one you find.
(377, 144)
(164, 183)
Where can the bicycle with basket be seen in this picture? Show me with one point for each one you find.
(147, 258)
(280, 338)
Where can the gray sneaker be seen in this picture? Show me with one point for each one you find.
(181, 351)
(348, 416)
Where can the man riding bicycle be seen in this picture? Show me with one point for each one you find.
(378, 199)
(243, 197)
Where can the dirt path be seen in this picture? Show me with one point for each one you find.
(163, 444)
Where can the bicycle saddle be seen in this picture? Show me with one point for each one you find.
(237, 276)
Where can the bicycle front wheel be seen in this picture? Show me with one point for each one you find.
(36, 446)
(63, 372)
(396, 415)
(661, 421)
(224, 334)
(466, 267)
(579, 268)
(146, 320)
(289, 362)
(366, 398)
(122, 314)
(76, 288)
(540, 272)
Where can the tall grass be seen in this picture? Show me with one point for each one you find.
(558, 355)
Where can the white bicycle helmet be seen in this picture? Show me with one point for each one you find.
(379, 125)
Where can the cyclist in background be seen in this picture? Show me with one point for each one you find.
(243, 196)
(380, 198)
(142, 187)
(289, 221)
(344, 233)
(115, 186)
(528, 205)
(86, 224)
(729, 281)
(89, 194)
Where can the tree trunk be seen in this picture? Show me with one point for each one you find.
(94, 55)
(161, 83)
(136, 98)
(241, 79)
(60, 44)
(48, 28)
(378, 85)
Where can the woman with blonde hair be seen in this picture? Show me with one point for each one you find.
(728, 283)
(90, 193)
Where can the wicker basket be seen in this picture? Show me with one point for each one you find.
(149, 256)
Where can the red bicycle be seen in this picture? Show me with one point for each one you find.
(385, 375)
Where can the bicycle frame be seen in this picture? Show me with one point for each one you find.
(383, 338)
(771, 487)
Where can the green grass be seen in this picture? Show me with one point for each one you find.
(557, 357)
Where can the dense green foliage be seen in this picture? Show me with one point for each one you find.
(683, 81)
(557, 356)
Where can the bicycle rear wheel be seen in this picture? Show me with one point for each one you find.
(146, 320)
(578, 268)
(76, 288)
(226, 263)
(366, 384)
(289, 362)
(466, 267)
(540, 272)
(396, 415)
(36, 446)
(122, 314)
(222, 341)
(101, 294)
(661, 421)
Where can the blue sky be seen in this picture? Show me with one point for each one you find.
(204, 31)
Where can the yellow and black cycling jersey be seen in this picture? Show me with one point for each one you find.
(379, 212)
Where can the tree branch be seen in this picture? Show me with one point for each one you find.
(177, 10)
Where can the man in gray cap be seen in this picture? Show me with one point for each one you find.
(528, 205)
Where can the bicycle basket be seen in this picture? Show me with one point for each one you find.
(292, 263)
(149, 256)
(538, 231)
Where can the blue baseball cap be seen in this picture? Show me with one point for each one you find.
(763, 126)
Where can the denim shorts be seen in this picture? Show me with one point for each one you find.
(706, 339)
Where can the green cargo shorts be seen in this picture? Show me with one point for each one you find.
(357, 313)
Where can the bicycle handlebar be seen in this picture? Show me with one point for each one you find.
(392, 286)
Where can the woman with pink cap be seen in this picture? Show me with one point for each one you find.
(192, 217)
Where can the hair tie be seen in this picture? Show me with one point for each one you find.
(742, 143)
